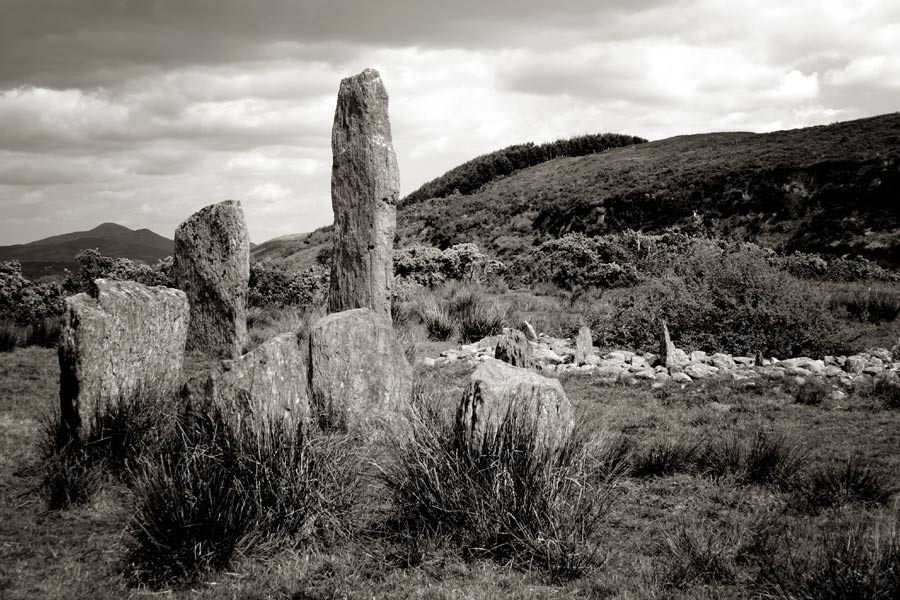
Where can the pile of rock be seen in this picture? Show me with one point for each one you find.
(558, 355)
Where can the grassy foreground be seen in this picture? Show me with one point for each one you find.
(718, 492)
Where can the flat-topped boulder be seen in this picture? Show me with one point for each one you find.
(498, 392)
(359, 374)
(121, 342)
(212, 266)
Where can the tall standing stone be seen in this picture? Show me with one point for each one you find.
(365, 186)
(212, 266)
(123, 340)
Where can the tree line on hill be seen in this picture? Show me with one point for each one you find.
(471, 175)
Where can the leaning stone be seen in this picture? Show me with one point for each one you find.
(530, 332)
(365, 187)
(584, 345)
(212, 266)
(121, 341)
(498, 392)
(666, 347)
(513, 348)
(268, 384)
(359, 375)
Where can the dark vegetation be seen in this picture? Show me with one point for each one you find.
(472, 175)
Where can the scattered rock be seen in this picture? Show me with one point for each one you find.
(358, 371)
(365, 186)
(681, 377)
(723, 362)
(212, 266)
(498, 392)
(698, 356)
(513, 348)
(122, 340)
(700, 370)
(854, 364)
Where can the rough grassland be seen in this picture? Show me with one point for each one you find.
(77, 553)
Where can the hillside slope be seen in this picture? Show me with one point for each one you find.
(51, 255)
(833, 189)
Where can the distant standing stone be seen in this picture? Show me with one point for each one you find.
(584, 345)
(365, 187)
(668, 353)
(123, 340)
(513, 348)
(212, 266)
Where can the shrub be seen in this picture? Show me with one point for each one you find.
(271, 286)
(220, 486)
(25, 302)
(846, 482)
(508, 497)
(576, 261)
(811, 393)
(93, 265)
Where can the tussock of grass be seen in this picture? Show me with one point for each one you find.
(221, 487)
(867, 304)
(475, 316)
(848, 482)
(508, 497)
(697, 553)
(437, 322)
(859, 560)
(887, 391)
(9, 336)
(667, 456)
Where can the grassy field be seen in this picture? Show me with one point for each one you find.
(675, 528)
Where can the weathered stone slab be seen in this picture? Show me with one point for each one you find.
(365, 187)
(498, 391)
(122, 340)
(269, 383)
(359, 374)
(513, 348)
(212, 266)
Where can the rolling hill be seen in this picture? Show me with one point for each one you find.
(833, 189)
(51, 255)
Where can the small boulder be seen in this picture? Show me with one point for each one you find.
(498, 392)
(513, 348)
(855, 364)
(700, 370)
(723, 362)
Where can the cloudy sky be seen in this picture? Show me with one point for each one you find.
(142, 111)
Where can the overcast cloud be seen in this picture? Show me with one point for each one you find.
(142, 111)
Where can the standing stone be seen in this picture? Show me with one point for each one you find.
(122, 340)
(669, 355)
(268, 384)
(584, 345)
(513, 348)
(212, 265)
(359, 375)
(530, 332)
(365, 187)
(498, 392)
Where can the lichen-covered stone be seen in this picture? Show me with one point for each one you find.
(359, 374)
(269, 383)
(122, 340)
(513, 348)
(498, 391)
(365, 187)
(584, 345)
(212, 266)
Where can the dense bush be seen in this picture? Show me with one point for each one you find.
(577, 261)
(845, 268)
(428, 266)
(93, 265)
(471, 175)
(25, 302)
(271, 286)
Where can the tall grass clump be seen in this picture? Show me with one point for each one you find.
(475, 316)
(887, 391)
(9, 336)
(438, 322)
(222, 486)
(867, 304)
(847, 482)
(117, 435)
(506, 496)
(666, 456)
(859, 560)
